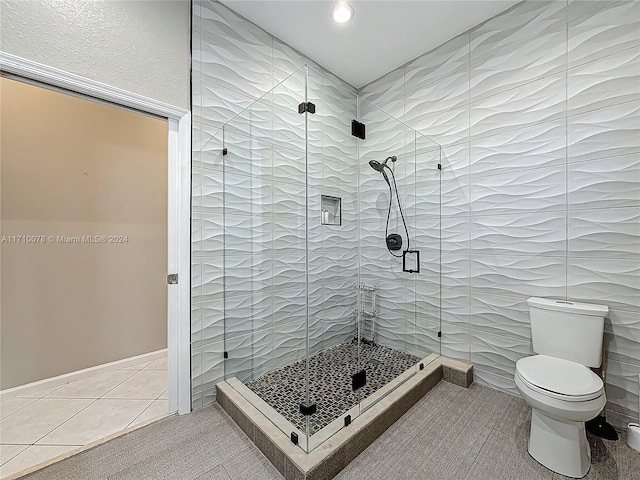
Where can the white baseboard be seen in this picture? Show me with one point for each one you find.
(80, 374)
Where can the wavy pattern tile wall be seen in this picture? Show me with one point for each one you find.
(235, 63)
(538, 110)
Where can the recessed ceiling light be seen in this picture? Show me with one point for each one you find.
(342, 12)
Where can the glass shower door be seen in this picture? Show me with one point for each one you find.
(265, 254)
(332, 216)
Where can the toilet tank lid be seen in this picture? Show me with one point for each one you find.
(568, 306)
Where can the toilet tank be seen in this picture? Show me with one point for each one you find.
(569, 330)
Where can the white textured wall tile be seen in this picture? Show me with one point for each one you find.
(522, 24)
(504, 316)
(455, 162)
(622, 387)
(212, 367)
(249, 355)
(288, 303)
(454, 232)
(447, 128)
(619, 420)
(212, 314)
(212, 192)
(288, 271)
(539, 101)
(607, 183)
(245, 235)
(521, 234)
(604, 32)
(231, 68)
(196, 279)
(288, 199)
(540, 56)
(225, 28)
(455, 342)
(455, 270)
(387, 93)
(497, 382)
(247, 273)
(607, 132)
(245, 195)
(445, 94)
(212, 241)
(605, 233)
(196, 377)
(217, 105)
(455, 306)
(289, 232)
(422, 337)
(448, 59)
(454, 197)
(622, 336)
(581, 8)
(196, 323)
(604, 82)
(286, 61)
(212, 278)
(289, 343)
(537, 190)
(498, 354)
(246, 312)
(612, 282)
(541, 145)
(518, 276)
(207, 143)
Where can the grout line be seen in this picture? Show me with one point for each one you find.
(566, 155)
(125, 380)
(138, 416)
(60, 424)
(34, 401)
(14, 456)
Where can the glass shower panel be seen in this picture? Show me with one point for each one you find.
(265, 257)
(332, 189)
(424, 201)
(390, 210)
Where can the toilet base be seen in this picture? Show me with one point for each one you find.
(559, 445)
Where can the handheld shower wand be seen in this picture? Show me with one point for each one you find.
(379, 167)
(394, 241)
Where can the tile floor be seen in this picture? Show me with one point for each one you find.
(452, 433)
(45, 424)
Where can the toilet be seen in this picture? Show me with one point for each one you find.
(558, 384)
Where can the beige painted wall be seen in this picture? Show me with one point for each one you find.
(141, 46)
(72, 167)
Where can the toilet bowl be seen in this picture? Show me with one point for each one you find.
(563, 395)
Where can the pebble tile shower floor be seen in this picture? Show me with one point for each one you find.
(330, 382)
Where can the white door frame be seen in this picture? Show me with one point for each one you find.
(179, 207)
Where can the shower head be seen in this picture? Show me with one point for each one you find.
(376, 165)
(379, 167)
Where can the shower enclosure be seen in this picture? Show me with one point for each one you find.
(325, 311)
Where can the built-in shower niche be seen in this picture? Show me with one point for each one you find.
(330, 210)
(306, 344)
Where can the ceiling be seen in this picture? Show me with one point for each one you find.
(383, 34)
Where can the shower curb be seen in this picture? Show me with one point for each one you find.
(328, 459)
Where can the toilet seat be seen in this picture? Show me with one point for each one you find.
(558, 378)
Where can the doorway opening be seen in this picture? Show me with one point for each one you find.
(83, 260)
